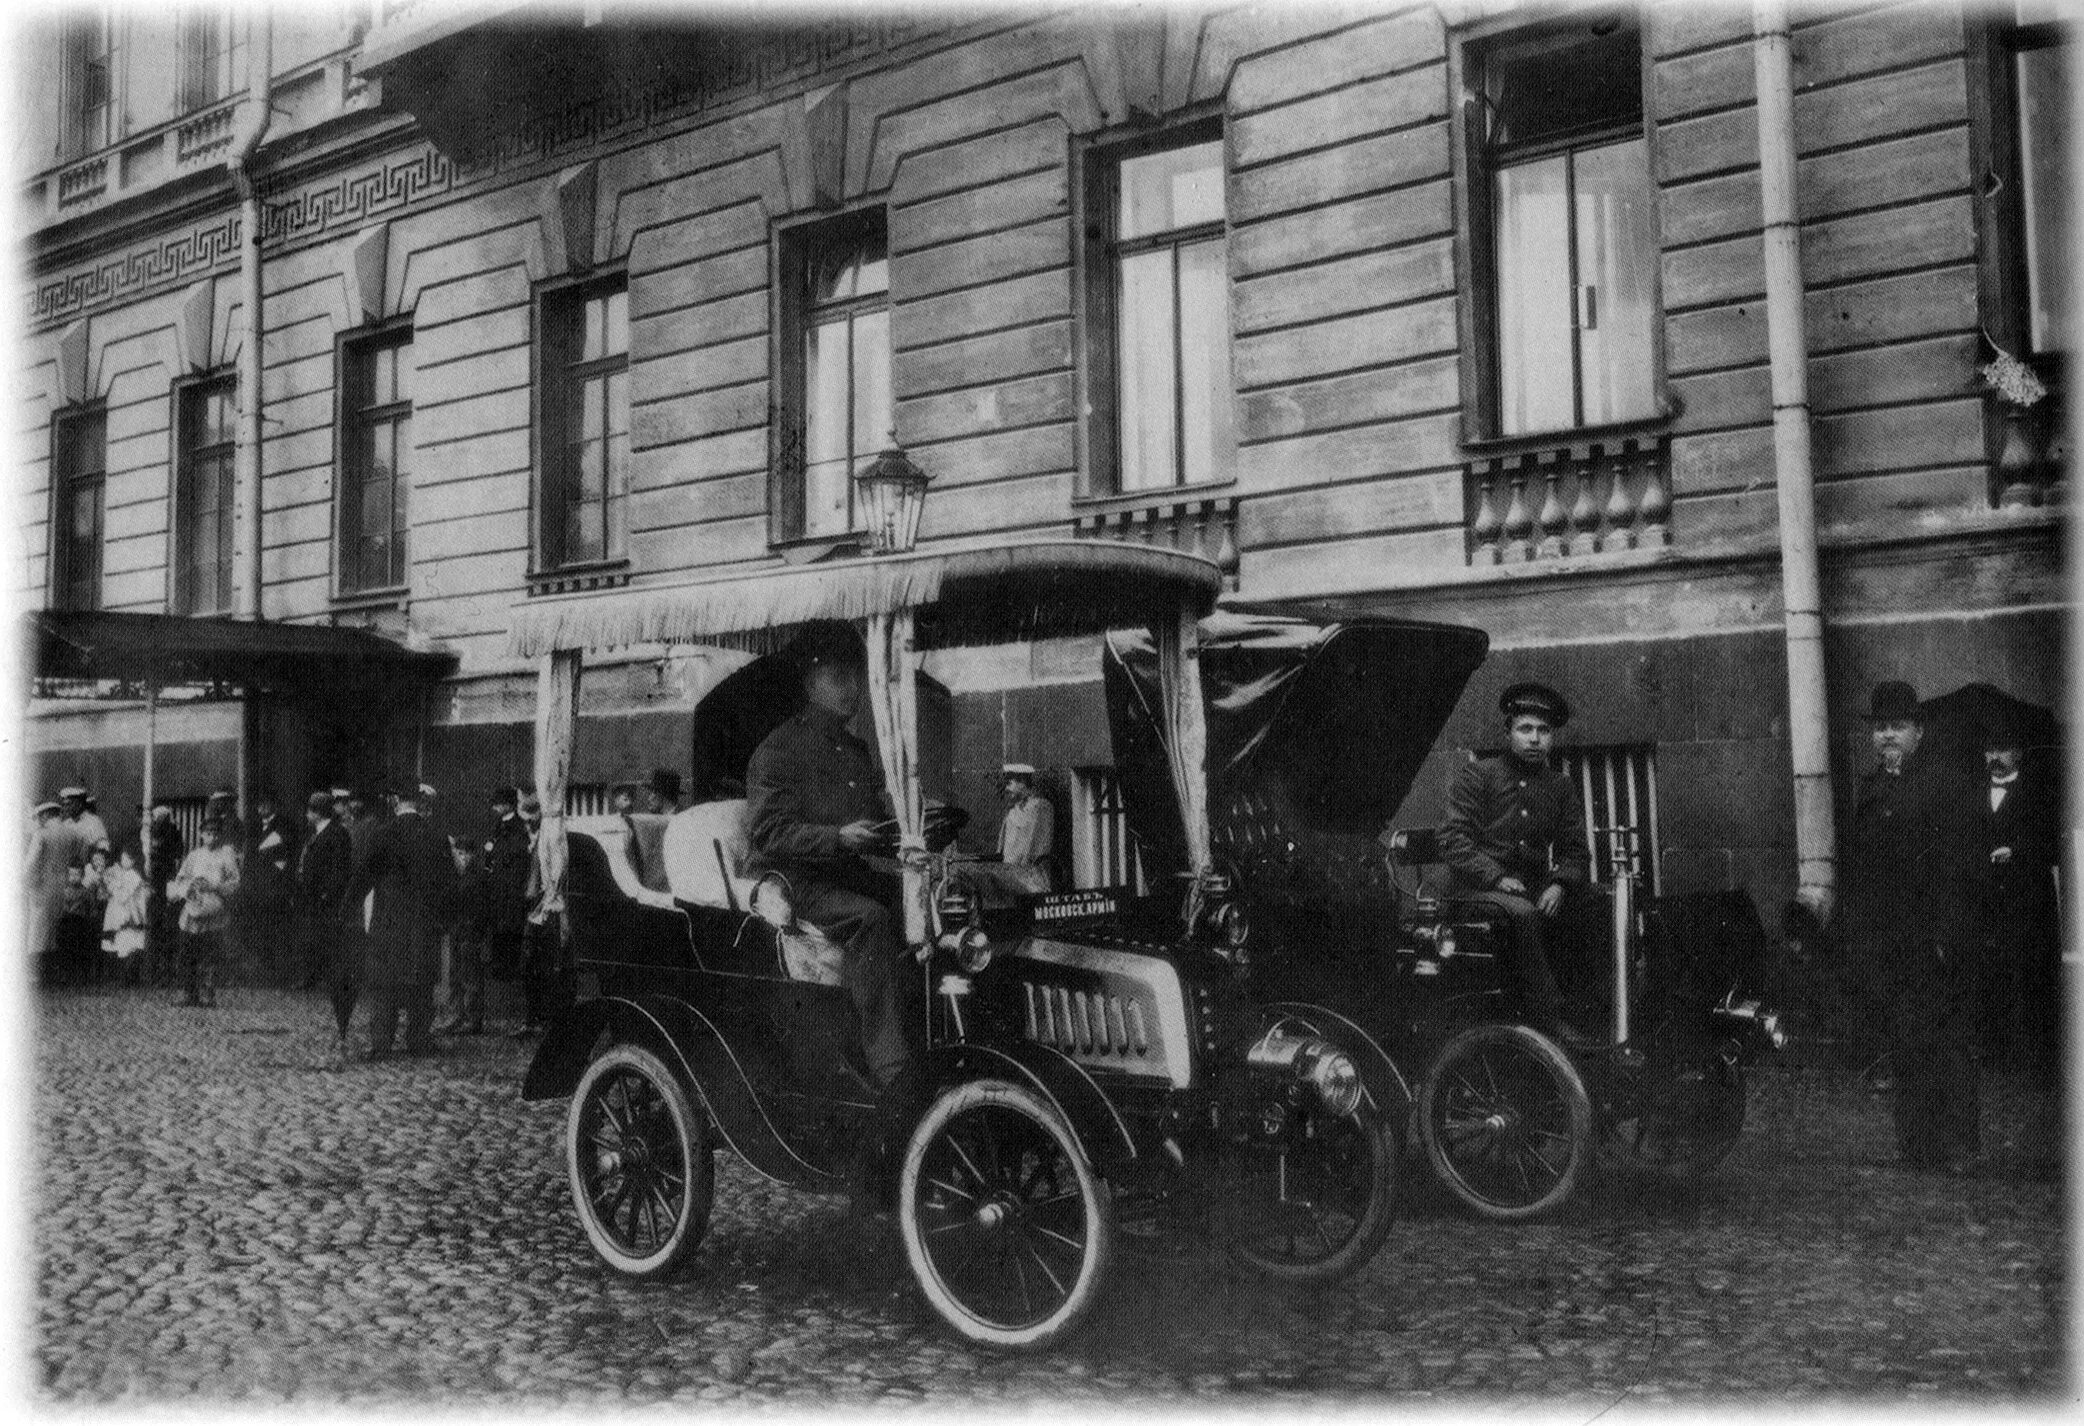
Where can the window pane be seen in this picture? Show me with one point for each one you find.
(617, 501)
(616, 339)
(1176, 188)
(2044, 146)
(1617, 259)
(383, 374)
(1148, 379)
(618, 398)
(826, 391)
(1204, 295)
(1569, 83)
(590, 419)
(593, 320)
(871, 383)
(1533, 253)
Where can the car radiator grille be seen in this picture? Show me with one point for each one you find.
(1087, 1023)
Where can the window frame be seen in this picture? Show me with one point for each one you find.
(65, 484)
(187, 394)
(551, 389)
(348, 421)
(1994, 42)
(1095, 185)
(85, 40)
(794, 248)
(1475, 239)
(207, 53)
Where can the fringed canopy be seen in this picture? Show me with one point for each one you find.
(994, 594)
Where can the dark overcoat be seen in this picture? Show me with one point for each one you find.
(409, 867)
(1910, 875)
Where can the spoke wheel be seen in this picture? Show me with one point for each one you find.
(1007, 1226)
(1319, 1205)
(1506, 1122)
(640, 1162)
(1680, 1127)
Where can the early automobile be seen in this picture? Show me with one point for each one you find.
(1095, 1068)
(1316, 733)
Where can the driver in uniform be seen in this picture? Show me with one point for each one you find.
(1514, 838)
(814, 796)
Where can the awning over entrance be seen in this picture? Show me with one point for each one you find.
(231, 655)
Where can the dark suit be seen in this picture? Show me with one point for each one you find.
(409, 868)
(1509, 818)
(809, 778)
(322, 876)
(2017, 923)
(267, 897)
(506, 890)
(1908, 909)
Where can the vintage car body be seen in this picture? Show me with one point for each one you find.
(1315, 734)
(1094, 1064)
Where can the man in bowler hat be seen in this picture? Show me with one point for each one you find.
(1907, 912)
(1514, 839)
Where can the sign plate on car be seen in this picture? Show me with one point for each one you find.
(1078, 905)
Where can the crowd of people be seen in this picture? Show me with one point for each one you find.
(366, 900)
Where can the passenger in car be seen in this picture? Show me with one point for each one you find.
(814, 795)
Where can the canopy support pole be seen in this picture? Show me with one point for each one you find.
(145, 793)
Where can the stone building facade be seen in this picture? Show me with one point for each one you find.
(1450, 311)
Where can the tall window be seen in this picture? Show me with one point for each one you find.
(375, 462)
(82, 464)
(1564, 225)
(207, 434)
(836, 369)
(2039, 64)
(1159, 295)
(88, 84)
(206, 58)
(584, 509)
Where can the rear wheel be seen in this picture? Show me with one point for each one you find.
(1681, 1126)
(1007, 1227)
(1506, 1121)
(640, 1161)
(1322, 1204)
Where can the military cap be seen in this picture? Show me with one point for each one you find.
(1536, 698)
(48, 806)
(65, 792)
(1893, 702)
(505, 797)
(319, 802)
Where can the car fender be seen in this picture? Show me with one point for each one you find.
(1085, 1106)
(1384, 1082)
(691, 1044)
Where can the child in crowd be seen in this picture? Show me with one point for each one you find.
(123, 920)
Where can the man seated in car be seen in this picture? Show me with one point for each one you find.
(813, 798)
(1514, 838)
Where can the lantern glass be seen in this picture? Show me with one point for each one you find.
(893, 492)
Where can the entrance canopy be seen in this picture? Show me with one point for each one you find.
(230, 656)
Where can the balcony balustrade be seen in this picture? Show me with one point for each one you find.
(83, 181)
(206, 136)
(1594, 498)
(1205, 526)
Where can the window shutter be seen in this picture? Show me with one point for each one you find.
(1483, 262)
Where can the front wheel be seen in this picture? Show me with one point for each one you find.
(1506, 1121)
(640, 1161)
(1007, 1227)
(1321, 1205)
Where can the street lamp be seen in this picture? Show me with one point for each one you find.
(893, 491)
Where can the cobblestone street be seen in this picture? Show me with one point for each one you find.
(223, 1215)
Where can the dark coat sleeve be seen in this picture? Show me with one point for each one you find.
(1462, 833)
